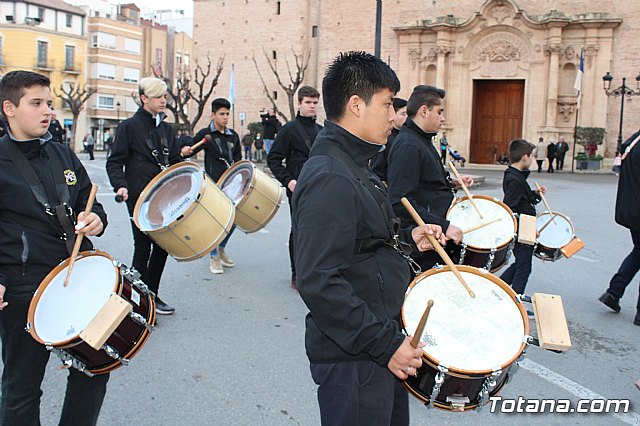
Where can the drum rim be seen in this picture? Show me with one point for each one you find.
(459, 372)
(564, 216)
(152, 183)
(231, 169)
(495, 200)
(45, 283)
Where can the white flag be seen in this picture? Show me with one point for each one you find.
(578, 84)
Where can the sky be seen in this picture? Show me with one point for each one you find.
(164, 4)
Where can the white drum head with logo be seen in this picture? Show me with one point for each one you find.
(237, 183)
(464, 333)
(170, 198)
(558, 233)
(63, 312)
(464, 216)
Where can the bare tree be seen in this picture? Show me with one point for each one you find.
(74, 98)
(187, 89)
(295, 79)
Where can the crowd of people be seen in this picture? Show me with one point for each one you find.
(351, 263)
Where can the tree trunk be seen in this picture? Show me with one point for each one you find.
(72, 140)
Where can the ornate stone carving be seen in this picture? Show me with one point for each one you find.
(414, 56)
(500, 12)
(552, 49)
(566, 110)
(432, 55)
(569, 53)
(590, 52)
(444, 50)
(499, 51)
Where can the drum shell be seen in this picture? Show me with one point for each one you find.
(128, 338)
(201, 228)
(261, 200)
(549, 253)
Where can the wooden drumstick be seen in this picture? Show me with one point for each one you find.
(423, 321)
(466, 190)
(546, 224)
(481, 225)
(443, 254)
(546, 205)
(207, 138)
(76, 246)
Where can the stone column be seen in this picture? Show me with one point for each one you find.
(552, 91)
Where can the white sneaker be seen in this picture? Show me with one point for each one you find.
(226, 261)
(215, 266)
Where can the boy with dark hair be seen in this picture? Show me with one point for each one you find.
(415, 169)
(144, 146)
(292, 146)
(521, 199)
(219, 155)
(379, 162)
(351, 273)
(33, 240)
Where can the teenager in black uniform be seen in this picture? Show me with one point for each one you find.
(350, 273)
(521, 199)
(219, 154)
(143, 147)
(292, 145)
(32, 243)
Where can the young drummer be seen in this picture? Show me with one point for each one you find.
(44, 190)
(522, 200)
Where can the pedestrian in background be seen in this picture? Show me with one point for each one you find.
(552, 150)
(247, 142)
(270, 127)
(443, 148)
(562, 148)
(259, 144)
(540, 153)
(88, 143)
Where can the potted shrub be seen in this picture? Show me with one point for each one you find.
(589, 138)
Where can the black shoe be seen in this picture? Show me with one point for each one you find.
(636, 321)
(611, 301)
(162, 308)
(294, 285)
(530, 313)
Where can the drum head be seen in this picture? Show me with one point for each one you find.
(237, 183)
(558, 233)
(464, 333)
(464, 216)
(63, 312)
(170, 197)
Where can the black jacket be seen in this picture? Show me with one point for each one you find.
(292, 145)
(216, 161)
(354, 300)
(415, 171)
(270, 126)
(131, 164)
(517, 194)
(552, 150)
(57, 132)
(27, 252)
(380, 161)
(628, 198)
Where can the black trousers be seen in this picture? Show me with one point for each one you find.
(148, 257)
(90, 151)
(291, 253)
(540, 163)
(550, 169)
(628, 269)
(517, 275)
(24, 362)
(560, 162)
(354, 393)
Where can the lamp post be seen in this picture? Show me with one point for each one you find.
(378, 28)
(621, 91)
(118, 112)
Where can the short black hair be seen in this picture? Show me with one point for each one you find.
(518, 148)
(218, 103)
(15, 83)
(307, 91)
(424, 95)
(355, 73)
(399, 103)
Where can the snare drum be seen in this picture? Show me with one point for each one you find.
(184, 212)
(488, 247)
(554, 236)
(257, 196)
(471, 343)
(58, 314)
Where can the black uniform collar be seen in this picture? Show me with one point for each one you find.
(307, 121)
(149, 118)
(427, 136)
(522, 173)
(360, 150)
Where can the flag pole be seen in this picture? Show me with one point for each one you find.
(577, 85)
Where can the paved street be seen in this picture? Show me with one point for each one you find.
(233, 354)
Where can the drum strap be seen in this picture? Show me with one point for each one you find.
(393, 224)
(306, 138)
(63, 212)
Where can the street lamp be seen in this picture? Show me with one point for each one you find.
(118, 112)
(621, 91)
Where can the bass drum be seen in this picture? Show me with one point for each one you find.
(471, 343)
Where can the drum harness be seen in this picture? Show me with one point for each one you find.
(369, 245)
(157, 151)
(63, 212)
